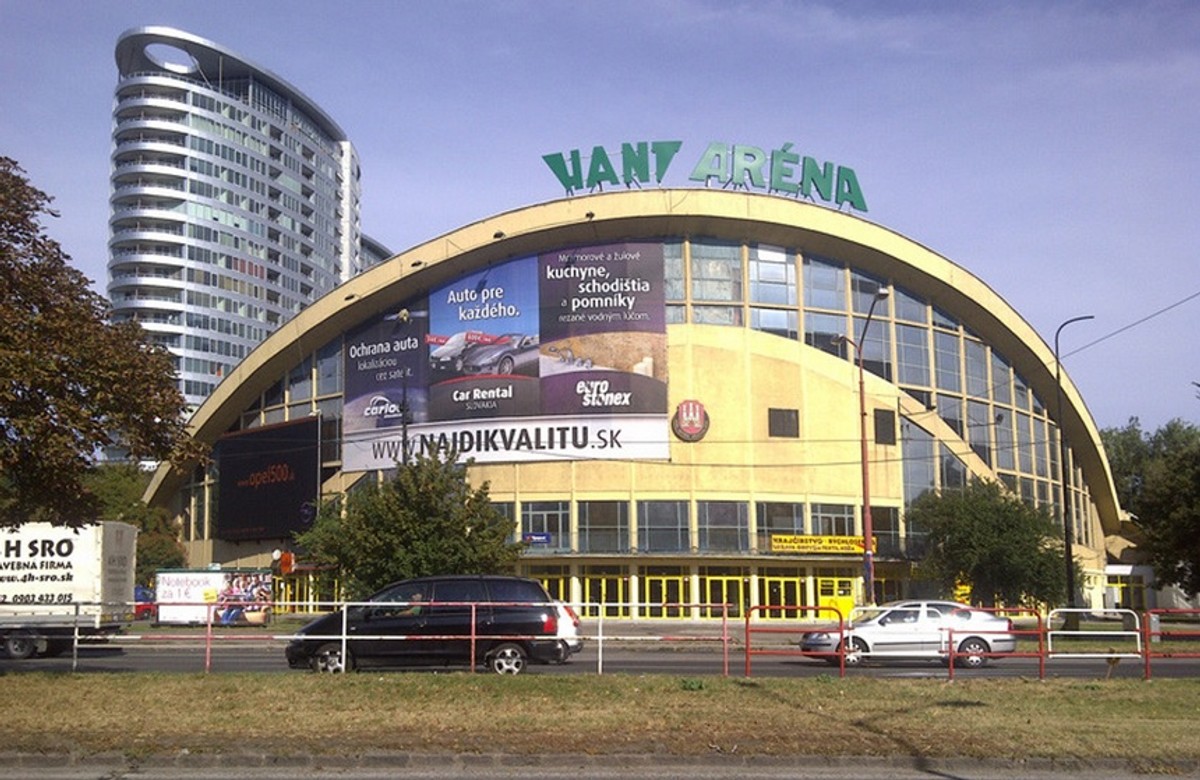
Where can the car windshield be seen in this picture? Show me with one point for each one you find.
(868, 614)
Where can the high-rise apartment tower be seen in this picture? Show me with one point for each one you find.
(235, 202)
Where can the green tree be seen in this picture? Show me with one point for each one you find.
(1158, 482)
(987, 537)
(425, 520)
(71, 383)
(119, 488)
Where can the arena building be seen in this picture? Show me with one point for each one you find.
(662, 387)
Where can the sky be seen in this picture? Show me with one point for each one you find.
(1049, 148)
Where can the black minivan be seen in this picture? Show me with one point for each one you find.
(428, 621)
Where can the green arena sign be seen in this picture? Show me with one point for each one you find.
(779, 171)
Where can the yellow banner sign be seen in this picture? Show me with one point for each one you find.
(800, 543)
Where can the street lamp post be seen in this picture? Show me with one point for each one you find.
(1064, 498)
(867, 522)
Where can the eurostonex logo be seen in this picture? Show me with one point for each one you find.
(779, 171)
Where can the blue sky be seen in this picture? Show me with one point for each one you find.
(1050, 148)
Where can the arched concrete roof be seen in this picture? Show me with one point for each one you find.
(614, 216)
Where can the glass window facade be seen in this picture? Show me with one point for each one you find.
(723, 526)
(603, 526)
(783, 518)
(772, 276)
(662, 526)
(833, 520)
(545, 525)
(716, 271)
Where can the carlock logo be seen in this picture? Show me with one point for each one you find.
(382, 407)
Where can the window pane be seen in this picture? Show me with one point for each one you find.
(945, 346)
(977, 379)
(603, 526)
(545, 525)
(723, 526)
(1005, 455)
(329, 368)
(300, 381)
(824, 284)
(943, 320)
(673, 270)
(717, 315)
(783, 422)
(1020, 393)
(832, 520)
(954, 471)
(863, 290)
(781, 518)
(772, 276)
(979, 429)
(780, 322)
(877, 349)
(1024, 445)
(663, 526)
(1001, 380)
(910, 308)
(716, 271)
(949, 408)
(820, 330)
(912, 353)
(1040, 460)
(918, 462)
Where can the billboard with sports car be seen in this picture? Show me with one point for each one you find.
(554, 356)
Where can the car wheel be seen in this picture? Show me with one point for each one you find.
(506, 365)
(328, 658)
(20, 646)
(55, 648)
(508, 658)
(855, 652)
(971, 653)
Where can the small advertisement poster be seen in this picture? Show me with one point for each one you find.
(548, 357)
(234, 598)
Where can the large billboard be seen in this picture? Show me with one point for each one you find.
(555, 356)
(268, 480)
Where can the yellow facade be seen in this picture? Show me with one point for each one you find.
(738, 373)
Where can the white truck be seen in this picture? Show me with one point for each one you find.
(58, 584)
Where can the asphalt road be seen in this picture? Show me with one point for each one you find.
(266, 655)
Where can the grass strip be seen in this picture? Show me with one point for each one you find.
(140, 714)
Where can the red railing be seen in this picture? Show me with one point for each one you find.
(1153, 634)
(952, 646)
(753, 630)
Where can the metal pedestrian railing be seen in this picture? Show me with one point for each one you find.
(1110, 635)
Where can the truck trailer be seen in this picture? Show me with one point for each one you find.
(59, 584)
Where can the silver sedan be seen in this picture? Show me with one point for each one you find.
(916, 630)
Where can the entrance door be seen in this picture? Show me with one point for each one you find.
(662, 589)
(784, 592)
(836, 592)
(721, 590)
(604, 591)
